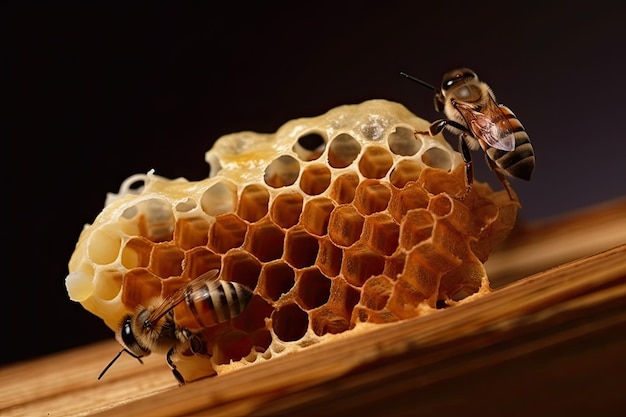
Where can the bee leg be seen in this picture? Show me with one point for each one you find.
(469, 168)
(170, 362)
(499, 173)
(435, 128)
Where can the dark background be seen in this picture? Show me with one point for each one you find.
(96, 94)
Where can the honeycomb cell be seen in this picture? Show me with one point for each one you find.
(290, 322)
(403, 141)
(253, 204)
(345, 225)
(300, 248)
(186, 206)
(104, 246)
(228, 232)
(153, 218)
(313, 289)
(329, 257)
(381, 233)
(286, 209)
(282, 171)
(265, 240)
(405, 171)
(219, 198)
(200, 260)
(310, 146)
(437, 158)
(412, 196)
(372, 196)
(108, 284)
(191, 232)
(166, 260)
(315, 179)
(417, 226)
(139, 286)
(375, 162)
(437, 181)
(343, 151)
(343, 187)
(326, 320)
(231, 346)
(239, 266)
(277, 278)
(360, 263)
(136, 252)
(343, 298)
(316, 214)
(376, 292)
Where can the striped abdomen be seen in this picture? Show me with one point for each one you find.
(211, 303)
(520, 162)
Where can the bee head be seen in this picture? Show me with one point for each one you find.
(128, 339)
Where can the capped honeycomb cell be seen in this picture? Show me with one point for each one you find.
(331, 222)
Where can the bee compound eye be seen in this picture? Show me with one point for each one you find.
(129, 339)
(463, 92)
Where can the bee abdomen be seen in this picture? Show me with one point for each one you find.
(213, 303)
(520, 162)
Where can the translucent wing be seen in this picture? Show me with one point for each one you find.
(179, 295)
(491, 124)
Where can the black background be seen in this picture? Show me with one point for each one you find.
(96, 94)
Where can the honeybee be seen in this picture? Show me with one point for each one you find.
(175, 322)
(473, 113)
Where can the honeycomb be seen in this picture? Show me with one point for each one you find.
(335, 222)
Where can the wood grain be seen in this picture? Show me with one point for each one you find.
(553, 343)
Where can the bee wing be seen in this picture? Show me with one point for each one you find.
(490, 125)
(178, 296)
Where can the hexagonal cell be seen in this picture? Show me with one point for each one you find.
(315, 179)
(265, 240)
(166, 260)
(372, 196)
(136, 252)
(191, 232)
(186, 205)
(343, 298)
(200, 260)
(315, 215)
(343, 187)
(107, 284)
(403, 141)
(411, 197)
(104, 246)
(345, 225)
(375, 162)
(404, 171)
(277, 278)
(253, 203)
(381, 232)
(437, 158)
(286, 209)
(151, 218)
(239, 266)
(416, 227)
(282, 171)
(437, 181)
(343, 150)
(360, 263)
(310, 146)
(228, 232)
(312, 289)
(290, 322)
(219, 198)
(139, 286)
(329, 257)
(326, 320)
(376, 292)
(300, 248)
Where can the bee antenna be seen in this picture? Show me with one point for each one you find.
(417, 80)
(115, 358)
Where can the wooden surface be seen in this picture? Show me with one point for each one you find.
(551, 344)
